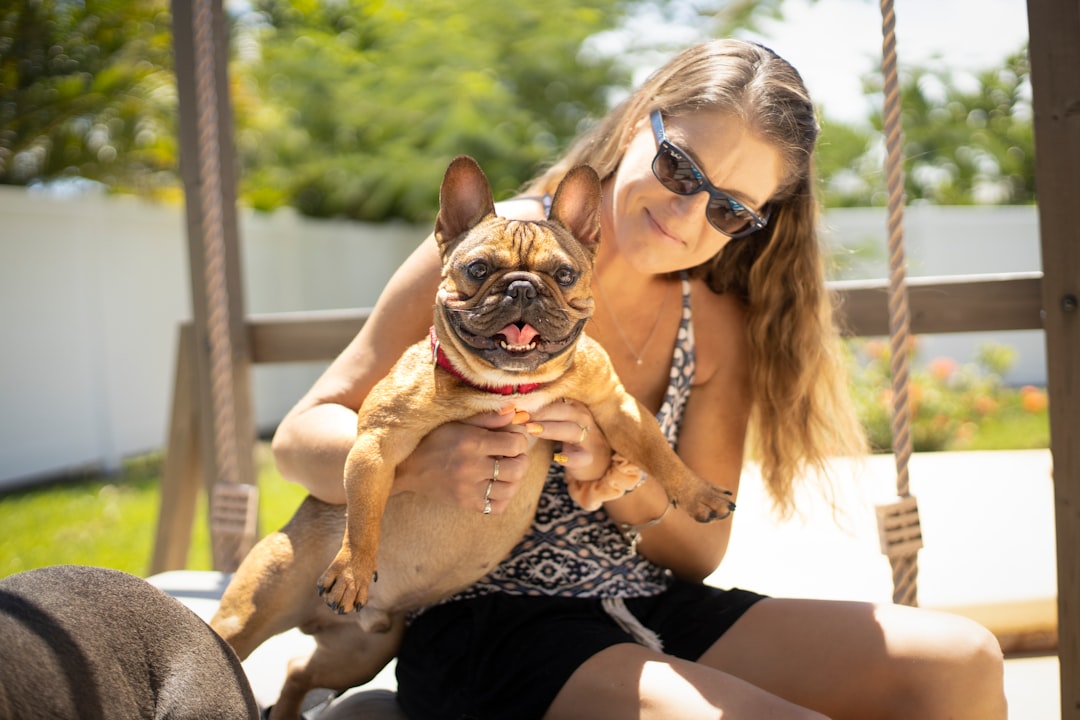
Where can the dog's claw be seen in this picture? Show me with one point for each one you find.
(706, 503)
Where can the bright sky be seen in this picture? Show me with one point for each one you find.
(834, 42)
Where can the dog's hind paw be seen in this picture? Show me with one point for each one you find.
(340, 588)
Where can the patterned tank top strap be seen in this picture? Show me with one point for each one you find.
(683, 367)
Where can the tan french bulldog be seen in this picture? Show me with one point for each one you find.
(508, 334)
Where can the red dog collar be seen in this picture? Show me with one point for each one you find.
(440, 359)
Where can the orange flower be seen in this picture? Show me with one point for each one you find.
(915, 394)
(1033, 399)
(876, 349)
(984, 405)
(966, 432)
(942, 368)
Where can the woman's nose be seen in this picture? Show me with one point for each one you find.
(691, 206)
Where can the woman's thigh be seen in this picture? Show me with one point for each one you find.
(633, 682)
(860, 660)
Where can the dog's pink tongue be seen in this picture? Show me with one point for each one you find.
(518, 336)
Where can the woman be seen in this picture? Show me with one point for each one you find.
(710, 298)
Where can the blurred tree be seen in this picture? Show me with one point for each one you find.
(86, 92)
(965, 143)
(355, 107)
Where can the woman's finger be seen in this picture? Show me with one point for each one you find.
(584, 449)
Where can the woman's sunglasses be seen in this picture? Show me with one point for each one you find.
(678, 173)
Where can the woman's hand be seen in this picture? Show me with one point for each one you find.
(581, 447)
(456, 462)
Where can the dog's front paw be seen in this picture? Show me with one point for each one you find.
(344, 585)
(708, 503)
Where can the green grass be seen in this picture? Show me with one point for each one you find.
(1013, 429)
(110, 521)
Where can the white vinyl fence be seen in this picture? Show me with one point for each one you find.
(92, 290)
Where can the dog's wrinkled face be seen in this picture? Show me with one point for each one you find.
(514, 295)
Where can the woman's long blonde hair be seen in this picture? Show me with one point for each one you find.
(802, 406)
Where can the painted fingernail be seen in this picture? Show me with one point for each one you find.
(507, 409)
(560, 458)
(534, 428)
(520, 418)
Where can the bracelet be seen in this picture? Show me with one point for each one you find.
(639, 483)
(632, 533)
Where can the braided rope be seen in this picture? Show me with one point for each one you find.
(905, 565)
(227, 523)
(210, 195)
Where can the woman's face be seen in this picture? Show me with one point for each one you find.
(658, 231)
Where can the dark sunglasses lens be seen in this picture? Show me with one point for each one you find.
(679, 175)
(726, 218)
(675, 172)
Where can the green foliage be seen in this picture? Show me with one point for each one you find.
(848, 172)
(355, 108)
(86, 92)
(970, 146)
(953, 407)
(963, 145)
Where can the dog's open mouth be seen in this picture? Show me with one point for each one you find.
(517, 346)
(518, 338)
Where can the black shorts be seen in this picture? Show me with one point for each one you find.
(507, 656)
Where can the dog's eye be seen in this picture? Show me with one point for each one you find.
(565, 276)
(477, 269)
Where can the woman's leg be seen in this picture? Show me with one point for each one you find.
(844, 660)
(858, 660)
(633, 682)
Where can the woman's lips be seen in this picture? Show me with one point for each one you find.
(662, 230)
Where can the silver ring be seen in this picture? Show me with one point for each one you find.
(494, 474)
(584, 433)
(487, 493)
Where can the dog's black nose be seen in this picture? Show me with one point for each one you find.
(521, 290)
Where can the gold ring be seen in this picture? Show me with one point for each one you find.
(584, 432)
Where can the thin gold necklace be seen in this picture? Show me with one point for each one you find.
(639, 357)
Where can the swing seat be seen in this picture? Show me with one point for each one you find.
(1004, 580)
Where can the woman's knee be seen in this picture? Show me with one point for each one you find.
(959, 671)
(979, 663)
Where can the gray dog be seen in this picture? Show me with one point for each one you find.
(97, 644)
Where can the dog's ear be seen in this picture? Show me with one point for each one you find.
(577, 206)
(464, 200)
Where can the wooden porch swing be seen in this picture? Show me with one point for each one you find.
(210, 444)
